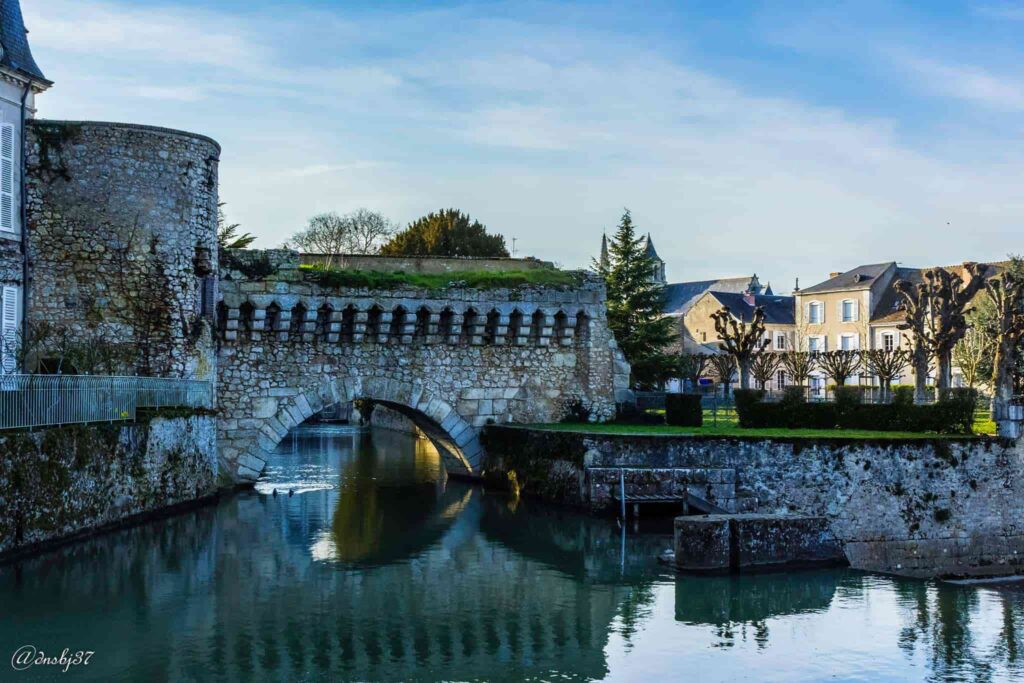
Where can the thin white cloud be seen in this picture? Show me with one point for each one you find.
(969, 83)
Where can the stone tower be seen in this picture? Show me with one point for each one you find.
(652, 253)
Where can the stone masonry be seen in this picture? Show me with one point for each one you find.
(918, 507)
(122, 225)
(451, 360)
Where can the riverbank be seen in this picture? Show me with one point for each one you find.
(919, 507)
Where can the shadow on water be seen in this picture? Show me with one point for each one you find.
(377, 568)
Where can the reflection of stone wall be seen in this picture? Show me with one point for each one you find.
(916, 507)
(122, 233)
(63, 480)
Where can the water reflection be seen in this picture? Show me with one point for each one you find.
(377, 568)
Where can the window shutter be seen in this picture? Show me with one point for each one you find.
(856, 310)
(807, 313)
(8, 330)
(7, 177)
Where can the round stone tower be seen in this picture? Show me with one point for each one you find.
(122, 243)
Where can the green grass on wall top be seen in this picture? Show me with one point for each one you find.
(474, 279)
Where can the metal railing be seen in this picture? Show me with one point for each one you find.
(49, 400)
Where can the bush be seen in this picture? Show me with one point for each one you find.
(848, 396)
(903, 395)
(952, 415)
(684, 410)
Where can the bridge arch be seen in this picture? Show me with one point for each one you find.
(452, 434)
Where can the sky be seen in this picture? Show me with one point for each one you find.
(789, 139)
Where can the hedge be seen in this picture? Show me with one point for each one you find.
(953, 414)
(683, 410)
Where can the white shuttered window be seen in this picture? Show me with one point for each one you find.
(9, 297)
(7, 177)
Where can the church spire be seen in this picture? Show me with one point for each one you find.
(603, 261)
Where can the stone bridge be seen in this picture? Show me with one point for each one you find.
(449, 360)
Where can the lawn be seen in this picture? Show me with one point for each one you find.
(473, 279)
(727, 426)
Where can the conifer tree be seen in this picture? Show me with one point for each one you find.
(635, 301)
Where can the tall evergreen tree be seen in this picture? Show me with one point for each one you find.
(635, 302)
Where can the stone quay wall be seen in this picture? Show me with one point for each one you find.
(122, 241)
(921, 507)
(450, 360)
(63, 481)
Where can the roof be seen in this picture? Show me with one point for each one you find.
(14, 38)
(649, 249)
(778, 310)
(860, 277)
(889, 308)
(681, 296)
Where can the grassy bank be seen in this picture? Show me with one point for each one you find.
(474, 279)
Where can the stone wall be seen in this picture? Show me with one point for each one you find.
(451, 360)
(65, 480)
(423, 264)
(122, 241)
(917, 507)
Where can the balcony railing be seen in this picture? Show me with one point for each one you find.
(49, 400)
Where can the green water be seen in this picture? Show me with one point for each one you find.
(375, 568)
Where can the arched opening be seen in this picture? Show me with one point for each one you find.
(397, 328)
(468, 326)
(297, 324)
(246, 313)
(515, 326)
(348, 324)
(537, 321)
(444, 325)
(323, 322)
(222, 317)
(560, 327)
(422, 327)
(582, 328)
(272, 319)
(373, 317)
(491, 327)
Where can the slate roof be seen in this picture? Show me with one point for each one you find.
(778, 310)
(681, 296)
(14, 38)
(889, 309)
(860, 277)
(649, 249)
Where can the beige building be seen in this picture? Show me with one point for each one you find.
(854, 310)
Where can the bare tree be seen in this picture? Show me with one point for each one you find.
(764, 367)
(739, 340)
(839, 365)
(1007, 294)
(970, 354)
(359, 232)
(935, 311)
(725, 368)
(887, 366)
(692, 367)
(799, 365)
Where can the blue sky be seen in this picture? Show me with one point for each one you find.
(791, 139)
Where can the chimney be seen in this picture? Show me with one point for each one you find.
(832, 275)
(748, 298)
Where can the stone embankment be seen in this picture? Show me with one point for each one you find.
(60, 482)
(922, 507)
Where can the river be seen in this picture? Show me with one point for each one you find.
(367, 564)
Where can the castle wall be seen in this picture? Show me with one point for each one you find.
(122, 240)
(423, 264)
(453, 359)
